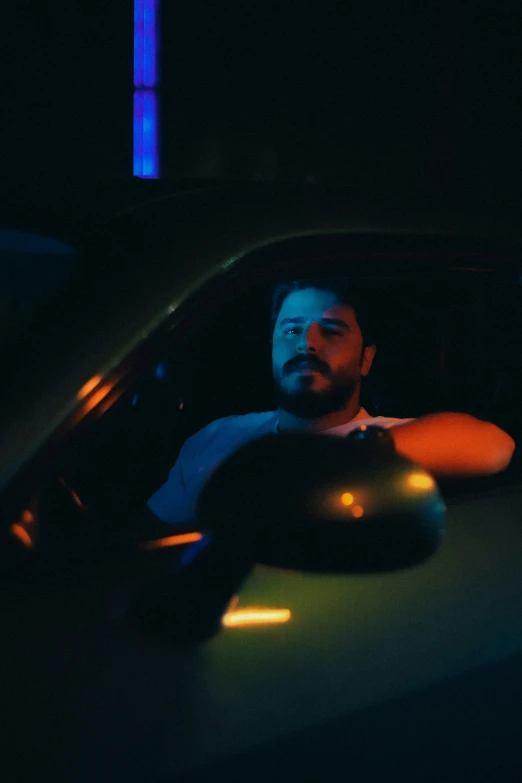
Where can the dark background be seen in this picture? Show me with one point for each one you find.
(405, 98)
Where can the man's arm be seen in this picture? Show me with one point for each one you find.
(454, 445)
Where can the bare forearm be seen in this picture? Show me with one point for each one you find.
(454, 444)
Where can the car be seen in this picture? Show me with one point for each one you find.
(128, 655)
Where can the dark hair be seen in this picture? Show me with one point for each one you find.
(343, 288)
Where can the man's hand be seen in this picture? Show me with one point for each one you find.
(454, 445)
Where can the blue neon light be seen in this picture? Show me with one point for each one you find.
(149, 44)
(146, 159)
(146, 134)
(139, 41)
(145, 43)
(138, 133)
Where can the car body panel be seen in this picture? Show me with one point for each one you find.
(82, 679)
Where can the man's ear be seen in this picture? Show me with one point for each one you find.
(367, 359)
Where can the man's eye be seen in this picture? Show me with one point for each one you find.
(296, 329)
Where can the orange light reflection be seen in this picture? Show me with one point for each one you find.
(89, 386)
(22, 535)
(347, 498)
(73, 494)
(160, 543)
(255, 617)
(233, 603)
(27, 517)
(97, 398)
(77, 500)
(357, 511)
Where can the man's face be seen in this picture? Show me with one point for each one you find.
(317, 354)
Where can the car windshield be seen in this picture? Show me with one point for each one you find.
(33, 269)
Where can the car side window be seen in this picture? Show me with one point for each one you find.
(119, 460)
(450, 346)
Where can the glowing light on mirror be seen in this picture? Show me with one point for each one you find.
(347, 498)
(252, 616)
(27, 517)
(22, 535)
(357, 511)
(420, 481)
(89, 386)
(161, 543)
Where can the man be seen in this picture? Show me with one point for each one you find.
(321, 349)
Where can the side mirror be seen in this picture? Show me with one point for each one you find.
(303, 501)
(323, 503)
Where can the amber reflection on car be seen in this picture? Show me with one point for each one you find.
(255, 616)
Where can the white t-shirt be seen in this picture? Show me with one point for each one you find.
(175, 502)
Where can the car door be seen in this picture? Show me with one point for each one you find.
(312, 673)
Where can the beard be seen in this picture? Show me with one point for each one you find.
(306, 403)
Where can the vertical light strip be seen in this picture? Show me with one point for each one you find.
(149, 43)
(145, 110)
(139, 41)
(138, 133)
(150, 134)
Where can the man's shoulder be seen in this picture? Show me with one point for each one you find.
(245, 421)
(238, 426)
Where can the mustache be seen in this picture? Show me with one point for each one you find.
(308, 361)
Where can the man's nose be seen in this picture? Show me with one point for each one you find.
(309, 339)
